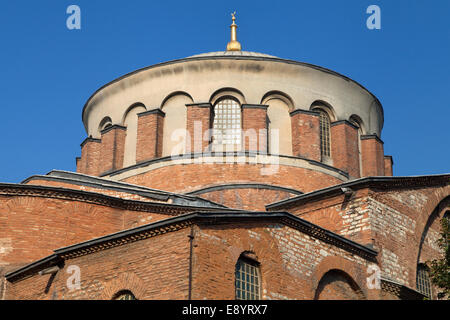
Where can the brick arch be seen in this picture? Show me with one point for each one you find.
(423, 221)
(258, 251)
(338, 285)
(350, 269)
(124, 282)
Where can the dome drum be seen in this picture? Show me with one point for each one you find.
(233, 101)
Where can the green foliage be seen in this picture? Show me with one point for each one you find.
(440, 268)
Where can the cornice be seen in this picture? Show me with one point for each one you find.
(97, 199)
(156, 111)
(113, 127)
(399, 290)
(301, 111)
(379, 183)
(255, 106)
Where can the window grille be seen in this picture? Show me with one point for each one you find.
(125, 296)
(324, 134)
(247, 280)
(357, 123)
(423, 283)
(227, 123)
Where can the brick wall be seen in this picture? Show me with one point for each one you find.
(305, 134)
(246, 198)
(198, 122)
(155, 268)
(344, 147)
(254, 126)
(112, 148)
(90, 157)
(149, 135)
(191, 177)
(31, 227)
(336, 285)
(388, 166)
(372, 156)
(292, 265)
(105, 155)
(401, 224)
(289, 260)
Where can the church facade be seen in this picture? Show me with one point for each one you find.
(225, 175)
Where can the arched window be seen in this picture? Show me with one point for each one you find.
(124, 295)
(104, 124)
(423, 282)
(247, 279)
(130, 121)
(227, 123)
(325, 147)
(357, 122)
(279, 134)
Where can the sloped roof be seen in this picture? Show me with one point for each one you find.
(387, 183)
(177, 223)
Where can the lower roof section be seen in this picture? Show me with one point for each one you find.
(103, 185)
(180, 222)
(385, 183)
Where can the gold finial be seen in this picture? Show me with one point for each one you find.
(233, 45)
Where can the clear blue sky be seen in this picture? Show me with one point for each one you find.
(48, 72)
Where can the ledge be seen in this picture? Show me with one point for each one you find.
(391, 158)
(401, 291)
(255, 106)
(301, 111)
(113, 127)
(90, 139)
(153, 111)
(372, 136)
(336, 123)
(199, 105)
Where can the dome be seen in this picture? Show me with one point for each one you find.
(296, 106)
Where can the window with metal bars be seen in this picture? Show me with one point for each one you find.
(423, 282)
(248, 280)
(125, 295)
(357, 123)
(227, 123)
(324, 133)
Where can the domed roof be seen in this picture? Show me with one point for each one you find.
(233, 53)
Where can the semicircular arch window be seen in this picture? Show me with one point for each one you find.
(125, 295)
